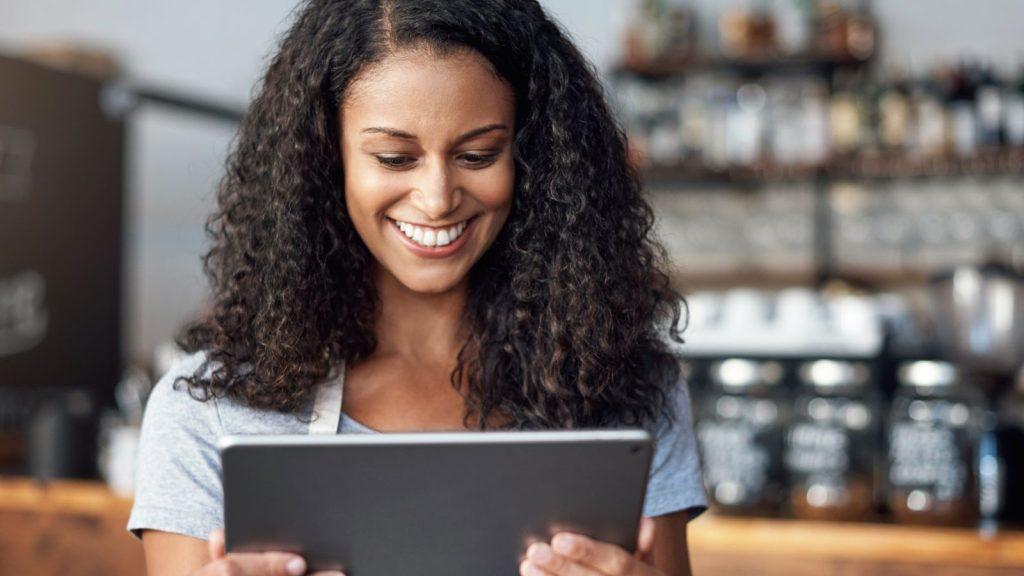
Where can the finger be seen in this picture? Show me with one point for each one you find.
(527, 568)
(645, 540)
(606, 558)
(541, 555)
(266, 564)
(330, 573)
(216, 544)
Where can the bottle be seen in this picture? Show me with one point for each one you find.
(861, 35)
(932, 121)
(815, 137)
(794, 25)
(1013, 112)
(963, 113)
(845, 117)
(989, 103)
(894, 116)
(745, 125)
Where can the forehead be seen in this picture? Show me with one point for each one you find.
(419, 88)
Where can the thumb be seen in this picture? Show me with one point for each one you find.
(271, 563)
(216, 544)
(645, 538)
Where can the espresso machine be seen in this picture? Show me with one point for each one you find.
(979, 320)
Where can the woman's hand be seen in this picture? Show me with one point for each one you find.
(252, 563)
(576, 555)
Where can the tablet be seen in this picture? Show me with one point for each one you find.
(430, 503)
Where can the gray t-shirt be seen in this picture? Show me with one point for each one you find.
(178, 480)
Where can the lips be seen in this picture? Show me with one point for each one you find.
(402, 229)
(430, 236)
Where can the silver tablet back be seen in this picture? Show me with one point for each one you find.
(430, 504)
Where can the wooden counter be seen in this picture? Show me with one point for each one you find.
(67, 529)
(78, 528)
(722, 545)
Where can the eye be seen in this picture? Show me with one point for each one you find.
(479, 160)
(393, 161)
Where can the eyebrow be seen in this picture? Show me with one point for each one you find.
(396, 133)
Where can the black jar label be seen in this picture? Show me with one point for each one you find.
(736, 464)
(813, 449)
(927, 459)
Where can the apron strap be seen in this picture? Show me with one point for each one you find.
(327, 405)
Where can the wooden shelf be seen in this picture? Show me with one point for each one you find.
(690, 172)
(873, 166)
(724, 545)
(753, 64)
(864, 277)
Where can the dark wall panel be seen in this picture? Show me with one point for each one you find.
(61, 211)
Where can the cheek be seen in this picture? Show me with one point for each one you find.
(367, 195)
(494, 188)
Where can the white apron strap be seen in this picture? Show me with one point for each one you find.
(327, 405)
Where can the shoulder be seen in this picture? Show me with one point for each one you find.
(171, 402)
(173, 399)
(177, 471)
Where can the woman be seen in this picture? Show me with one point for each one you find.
(429, 201)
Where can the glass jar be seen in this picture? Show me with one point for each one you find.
(934, 429)
(740, 428)
(832, 442)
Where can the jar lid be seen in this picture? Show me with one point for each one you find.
(741, 372)
(927, 373)
(829, 373)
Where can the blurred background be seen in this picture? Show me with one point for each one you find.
(838, 185)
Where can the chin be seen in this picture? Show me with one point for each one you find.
(430, 281)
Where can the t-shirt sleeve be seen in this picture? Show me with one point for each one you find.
(675, 482)
(177, 477)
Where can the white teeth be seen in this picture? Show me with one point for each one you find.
(430, 236)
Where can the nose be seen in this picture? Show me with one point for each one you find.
(438, 194)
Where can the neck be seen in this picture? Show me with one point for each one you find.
(425, 328)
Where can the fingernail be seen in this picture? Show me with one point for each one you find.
(562, 544)
(541, 553)
(296, 566)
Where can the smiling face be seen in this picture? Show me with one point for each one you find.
(426, 145)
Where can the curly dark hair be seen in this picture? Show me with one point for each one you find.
(569, 309)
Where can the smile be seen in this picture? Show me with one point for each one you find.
(429, 236)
